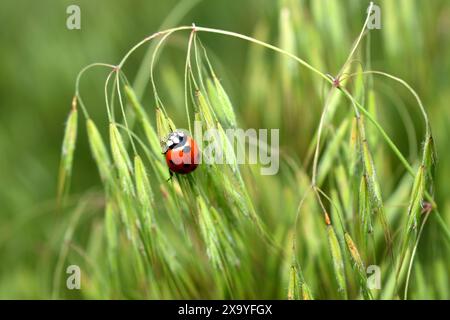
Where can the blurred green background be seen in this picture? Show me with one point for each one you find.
(40, 58)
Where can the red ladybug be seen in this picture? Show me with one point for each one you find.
(181, 152)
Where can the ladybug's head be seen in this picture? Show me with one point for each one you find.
(174, 140)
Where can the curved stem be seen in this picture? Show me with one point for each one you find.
(267, 45)
(108, 108)
(187, 68)
(404, 83)
(150, 155)
(358, 41)
(406, 119)
(380, 129)
(172, 19)
(413, 254)
(77, 83)
(123, 111)
(152, 77)
(297, 216)
(319, 134)
(147, 39)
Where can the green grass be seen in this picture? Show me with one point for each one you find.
(356, 187)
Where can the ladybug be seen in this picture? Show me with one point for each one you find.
(181, 153)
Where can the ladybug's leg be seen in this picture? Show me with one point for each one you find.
(171, 176)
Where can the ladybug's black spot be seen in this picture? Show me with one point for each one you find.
(187, 149)
(186, 165)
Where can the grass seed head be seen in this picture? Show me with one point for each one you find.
(294, 284)
(221, 103)
(121, 159)
(338, 261)
(205, 110)
(144, 191)
(164, 125)
(99, 151)
(68, 150)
